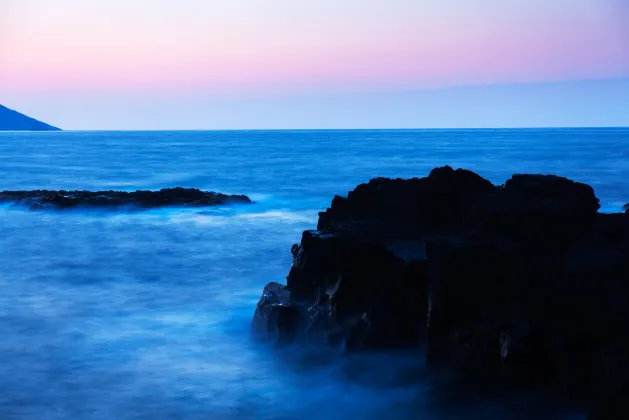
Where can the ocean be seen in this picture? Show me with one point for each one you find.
(145, 315)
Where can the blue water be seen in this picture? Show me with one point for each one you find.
(127, 315)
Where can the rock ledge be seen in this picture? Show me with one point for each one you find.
(188, 197)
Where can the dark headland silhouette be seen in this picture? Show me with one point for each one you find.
(14, 121)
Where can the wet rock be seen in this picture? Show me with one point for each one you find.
(337, 282)
(523, 284)
(276, 319)
(188, 197)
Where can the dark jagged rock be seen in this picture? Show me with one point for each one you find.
(398, 208)
(527, 206)
(523, 284)
(188, 197)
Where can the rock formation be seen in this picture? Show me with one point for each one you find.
(523, 284)
(188, 197)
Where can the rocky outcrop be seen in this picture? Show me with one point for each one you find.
(188, 197)
(522, 284)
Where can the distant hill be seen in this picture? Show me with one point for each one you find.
(14, 121)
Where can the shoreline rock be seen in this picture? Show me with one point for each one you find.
(61, 199)
(523, 284)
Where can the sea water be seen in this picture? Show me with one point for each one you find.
(145, 315)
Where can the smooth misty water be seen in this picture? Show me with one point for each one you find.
(120, 315)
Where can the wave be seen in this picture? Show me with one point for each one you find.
(284, 216)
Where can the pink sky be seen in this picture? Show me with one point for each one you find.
(89, 52)
(256, 44)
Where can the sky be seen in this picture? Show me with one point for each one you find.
(205, 64)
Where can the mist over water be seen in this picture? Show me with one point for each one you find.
(145, 314)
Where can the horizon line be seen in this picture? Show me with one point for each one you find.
(331, 129)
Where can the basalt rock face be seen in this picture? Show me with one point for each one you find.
(522, 284)
(189, 197)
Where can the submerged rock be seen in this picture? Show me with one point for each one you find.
(189, 197)
(523, 284)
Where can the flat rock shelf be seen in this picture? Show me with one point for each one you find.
(185, 197)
